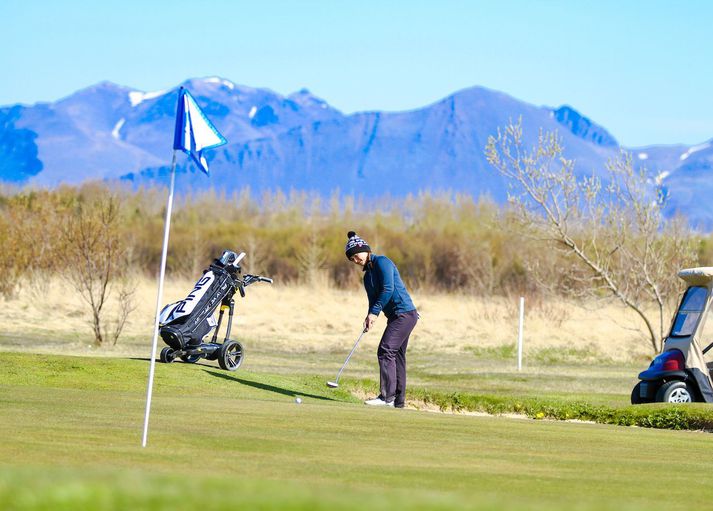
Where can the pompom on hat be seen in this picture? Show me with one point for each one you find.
(355, 244)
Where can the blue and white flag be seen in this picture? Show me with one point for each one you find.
(194, 132)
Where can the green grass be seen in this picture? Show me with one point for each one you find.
(482, 373)
(542, 355)
(71, 430)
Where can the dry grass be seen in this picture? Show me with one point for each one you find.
(299, 319)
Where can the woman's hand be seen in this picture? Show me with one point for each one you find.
(369, 322)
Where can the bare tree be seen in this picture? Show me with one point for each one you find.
(611, 228)
(12, 256)
(311, 258)
(195, 251)
(93, 256)
(473, 262)
(253, 254)
(29, 235)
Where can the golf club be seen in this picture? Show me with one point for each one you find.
(334, 384)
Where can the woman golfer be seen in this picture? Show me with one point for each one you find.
(387, 293)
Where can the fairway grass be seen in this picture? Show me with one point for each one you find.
(71, 430)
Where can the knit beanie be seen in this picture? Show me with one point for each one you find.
(355, 245)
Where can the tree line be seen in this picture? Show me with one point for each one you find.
(444, 243)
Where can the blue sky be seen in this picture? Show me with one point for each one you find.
(643, 69)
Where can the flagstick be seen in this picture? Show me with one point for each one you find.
(159, 298)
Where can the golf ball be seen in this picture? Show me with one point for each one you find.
(298, 400)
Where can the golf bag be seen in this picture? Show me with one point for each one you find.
(184, 324)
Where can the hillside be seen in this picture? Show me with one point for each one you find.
(299, 141)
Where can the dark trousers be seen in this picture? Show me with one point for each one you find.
(392, 356)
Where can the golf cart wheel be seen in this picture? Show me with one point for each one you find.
(167, 355)
(230, 355)
(190, 359)
(636, 398)
(675, 392)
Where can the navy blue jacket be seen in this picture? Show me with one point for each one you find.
(384, 287)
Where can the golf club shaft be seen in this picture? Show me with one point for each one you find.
(349, 356)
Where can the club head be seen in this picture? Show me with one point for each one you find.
(332, 384)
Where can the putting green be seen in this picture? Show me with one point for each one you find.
(71, 430)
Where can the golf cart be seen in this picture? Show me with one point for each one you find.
(679, 374)
(183, 325)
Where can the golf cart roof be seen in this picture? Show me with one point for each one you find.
(697, 276)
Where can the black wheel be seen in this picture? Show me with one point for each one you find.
(675, 392)
(190, 359)
(230, 355)
(167, 355)
(636, 395)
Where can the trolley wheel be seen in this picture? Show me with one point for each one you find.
(230, 355)
(168, 355)
(190, 359)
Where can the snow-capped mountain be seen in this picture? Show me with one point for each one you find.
(298, 141)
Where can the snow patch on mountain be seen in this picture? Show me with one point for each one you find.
(661, 176)
(137, 97)
(221, 81)
(695, 149)
(117, 128)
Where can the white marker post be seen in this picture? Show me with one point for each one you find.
(519, 333)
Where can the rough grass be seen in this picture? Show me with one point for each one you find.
(71, 440)
(658, 415)
(297, 319)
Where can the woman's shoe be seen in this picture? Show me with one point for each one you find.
(377, 401)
